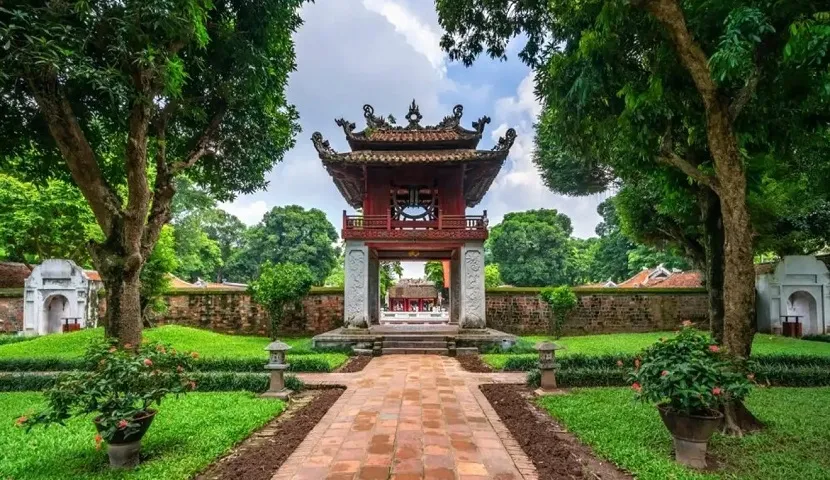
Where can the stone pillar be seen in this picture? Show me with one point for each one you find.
(472, 285)
(356, 288)
(374, 291)
(455, 288)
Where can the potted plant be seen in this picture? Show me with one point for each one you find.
(689, 379)
(120, 386)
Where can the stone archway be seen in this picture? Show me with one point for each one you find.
(803, 304)
(55, 309)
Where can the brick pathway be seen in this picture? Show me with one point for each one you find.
(409, 417)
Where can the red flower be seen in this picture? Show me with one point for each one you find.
(179, 369)
(714, 348)
(123, 424)
(98, 440)
(128, 346)
(716, 391)
(148, 362)
(751, 376)
(192, 385)
(687, 323)
(21, 420)
(194, 354)
(636, 363)
(664, 373)
(619, 363)
(636, 386)
(112, 349)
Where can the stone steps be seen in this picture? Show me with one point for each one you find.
(414, 344)
(416, 351)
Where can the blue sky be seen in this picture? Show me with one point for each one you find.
(385, 53)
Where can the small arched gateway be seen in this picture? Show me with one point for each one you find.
(797, 291)
(59, 295)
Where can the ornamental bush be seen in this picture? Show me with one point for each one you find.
(688, 374)
(561, 301)
(119, 386)
(279, 285)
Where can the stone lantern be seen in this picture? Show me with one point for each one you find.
(547, 364)
(277, 366)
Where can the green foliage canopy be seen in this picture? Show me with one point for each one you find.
(279, 285)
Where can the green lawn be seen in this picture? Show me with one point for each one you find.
(186, 436)
(630, 343)
(794, 446)
(208, 344)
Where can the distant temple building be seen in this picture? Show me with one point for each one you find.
(413, 295)
(413, 185)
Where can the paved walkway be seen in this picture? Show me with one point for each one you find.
(409, 417)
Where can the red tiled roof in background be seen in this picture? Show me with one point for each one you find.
(13, 274)
(176, 282)
(635, 281)
(93, 275)
(692, 279)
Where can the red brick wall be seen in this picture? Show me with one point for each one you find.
(235, 312)
(524, 312)
(11, 314)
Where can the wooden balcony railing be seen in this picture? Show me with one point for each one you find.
(373, 226)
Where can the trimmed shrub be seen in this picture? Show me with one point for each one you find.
(5, 339)
(822, 337)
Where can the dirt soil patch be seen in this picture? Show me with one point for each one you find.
(355, 364)
(261, 455)
(555, 453)
(473, 363)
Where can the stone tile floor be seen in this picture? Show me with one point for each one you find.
(409, 417)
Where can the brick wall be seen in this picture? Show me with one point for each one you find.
(235, 312)
(11, 313)
(522, 312)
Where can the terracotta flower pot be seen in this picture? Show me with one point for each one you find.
(124, 448)
(691, 434)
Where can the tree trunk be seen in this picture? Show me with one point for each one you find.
(713, 243)
(123, 317)
(729, 181)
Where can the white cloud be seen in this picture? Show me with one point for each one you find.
(250, 213)
(519, 185)
(418, 34)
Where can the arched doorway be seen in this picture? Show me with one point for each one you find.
(55, 309)
(803, 304)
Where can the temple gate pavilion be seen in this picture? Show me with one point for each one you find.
(413, 185)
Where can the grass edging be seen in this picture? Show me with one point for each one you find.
(205, 381)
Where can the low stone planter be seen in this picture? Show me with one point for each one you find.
(691, 435)
(123, 450)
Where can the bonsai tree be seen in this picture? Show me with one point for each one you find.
(120, 386)
(691, 381)
(561, 301)
(279, 285)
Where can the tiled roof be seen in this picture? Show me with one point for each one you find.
(413, 291)
(423, 135)
(176, 282)
(646, 279)
(414, 156)
(13, 274)
(93, 275)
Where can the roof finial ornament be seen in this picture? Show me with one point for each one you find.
(371, 120)
(321, 145)
(414, 116)
(479, 124)
(506, 141)
(452, 121)
(348, 127)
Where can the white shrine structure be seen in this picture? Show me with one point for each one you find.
(58, 293)
(797, 290)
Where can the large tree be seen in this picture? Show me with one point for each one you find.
(531, 248)
(123, 97)
(288, 234)
(702, 87)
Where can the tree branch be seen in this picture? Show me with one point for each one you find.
(138, 191)
(745, 94)
(202, 145)
(71, 141)
(163, 192)
(675, 160)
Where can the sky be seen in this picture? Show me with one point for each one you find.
(386, 53)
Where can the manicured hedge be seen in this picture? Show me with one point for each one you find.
(6, 339)
(775, 375)
(528, 362)
(822, 337)
(205, 382)
(301, 363)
